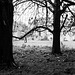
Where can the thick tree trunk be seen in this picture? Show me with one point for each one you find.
(1, 34)
(56, 32)
(6, 22)
(1, 38)
(56, 42)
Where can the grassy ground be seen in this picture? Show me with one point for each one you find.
(39, 61)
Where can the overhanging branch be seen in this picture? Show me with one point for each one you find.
(33, 29)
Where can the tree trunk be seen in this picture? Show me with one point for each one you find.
(56, 42)
(56, 32)
(6, 22)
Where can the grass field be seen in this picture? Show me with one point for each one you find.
(35, 61)
(69, 44)
(38, 60)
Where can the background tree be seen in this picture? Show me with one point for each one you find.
(57, 8)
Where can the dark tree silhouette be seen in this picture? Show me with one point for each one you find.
(56, 24)
(56, 32)
(6, 23)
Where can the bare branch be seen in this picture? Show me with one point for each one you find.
(63, 23)
(39, 1)
(71, 12)
(20, 2)
(36, 2)
(44, 6)
(33, 29)
(64, 8)
(72, 3)
(51, 3)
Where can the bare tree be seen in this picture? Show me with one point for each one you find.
(57, 8)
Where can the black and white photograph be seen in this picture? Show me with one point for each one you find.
(37, 37)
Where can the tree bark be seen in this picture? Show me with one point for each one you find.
(6, 23)
(56, 31)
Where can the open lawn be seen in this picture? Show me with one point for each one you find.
(69, 44)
